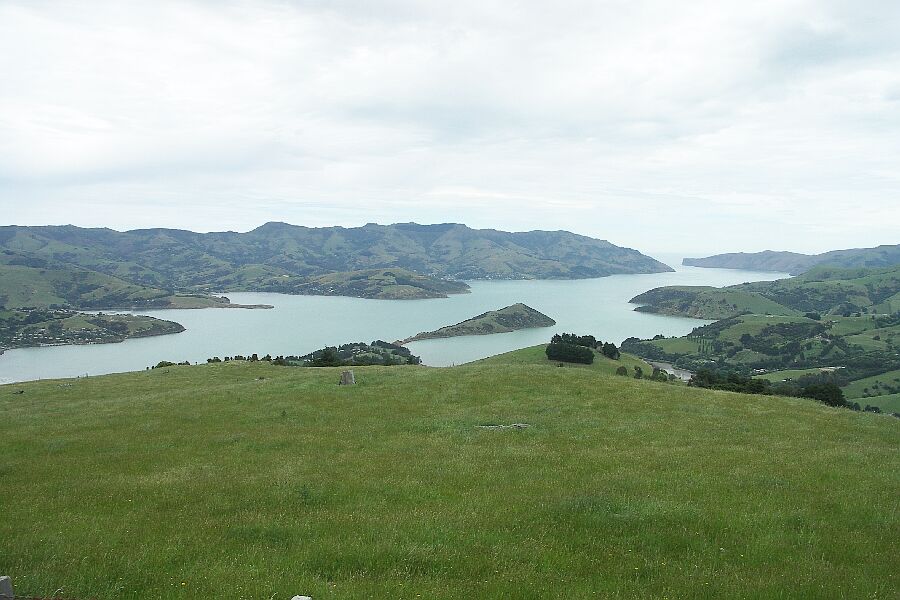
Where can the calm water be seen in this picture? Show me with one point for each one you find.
(301, 324)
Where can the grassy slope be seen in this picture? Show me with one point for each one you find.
(53, 283)
(211, 482)
(707, 302)
(26, 286)
(855, 391)
(822, 289)
(789, 374)
(536, 355)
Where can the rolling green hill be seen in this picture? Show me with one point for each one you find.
(511, 318)
(248, 480)
(794, 263)
(281, 257)
(28, 281)
(827, 317)
(825, 290)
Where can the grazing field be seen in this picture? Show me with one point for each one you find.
(247, 480)
(789, 374)
(875, 386)
(536, 355)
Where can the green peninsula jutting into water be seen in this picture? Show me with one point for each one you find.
(511, 318)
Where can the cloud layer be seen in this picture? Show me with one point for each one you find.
(701, 126)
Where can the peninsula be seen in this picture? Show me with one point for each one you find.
(511, 318)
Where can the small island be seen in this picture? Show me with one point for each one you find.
(511, 318)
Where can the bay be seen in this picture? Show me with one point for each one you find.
(300, 324)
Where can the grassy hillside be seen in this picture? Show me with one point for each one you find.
(28, 281)
(827, 317)
(511, 318)
(247, 480)
(281, 257)
(794, 263)
(780, 348)
(536, 355)
(703, 302)
(825, 290)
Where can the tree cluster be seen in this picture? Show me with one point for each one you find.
(607, 349)
(570, 353)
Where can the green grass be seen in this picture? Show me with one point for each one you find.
(708, 302)
(789, 374)
(536, 355)
(856, 390)
(888, 403)
(876, 339)
(754, 324)
(681, 345)
(212, 482)
(850, 325)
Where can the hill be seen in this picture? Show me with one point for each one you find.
(282, 257)
(511, 318)
(257, 481)
(795, 264)
(841, 325)
(28, 281)
(57, 327)
(825, 290)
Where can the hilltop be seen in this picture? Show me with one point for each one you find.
(511, 318)
(278, 257)
(795, 264)
(252, 480)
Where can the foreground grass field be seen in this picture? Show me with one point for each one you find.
(245, 480)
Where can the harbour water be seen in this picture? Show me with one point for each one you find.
(301, 324)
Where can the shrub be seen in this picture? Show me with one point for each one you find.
(622, 371)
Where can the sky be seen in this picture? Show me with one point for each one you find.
(671, 127)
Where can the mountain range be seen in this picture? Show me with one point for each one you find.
(404, 260)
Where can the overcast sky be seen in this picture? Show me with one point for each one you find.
(693, 127)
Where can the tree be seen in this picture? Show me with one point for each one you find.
(328, 358)
(570, 353)
(827, 393)
(610, 351)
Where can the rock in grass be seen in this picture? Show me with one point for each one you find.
(347, 378)
(6, 588)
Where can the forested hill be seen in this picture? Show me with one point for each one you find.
(287, 258)
(825, 290)
(795, 264)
